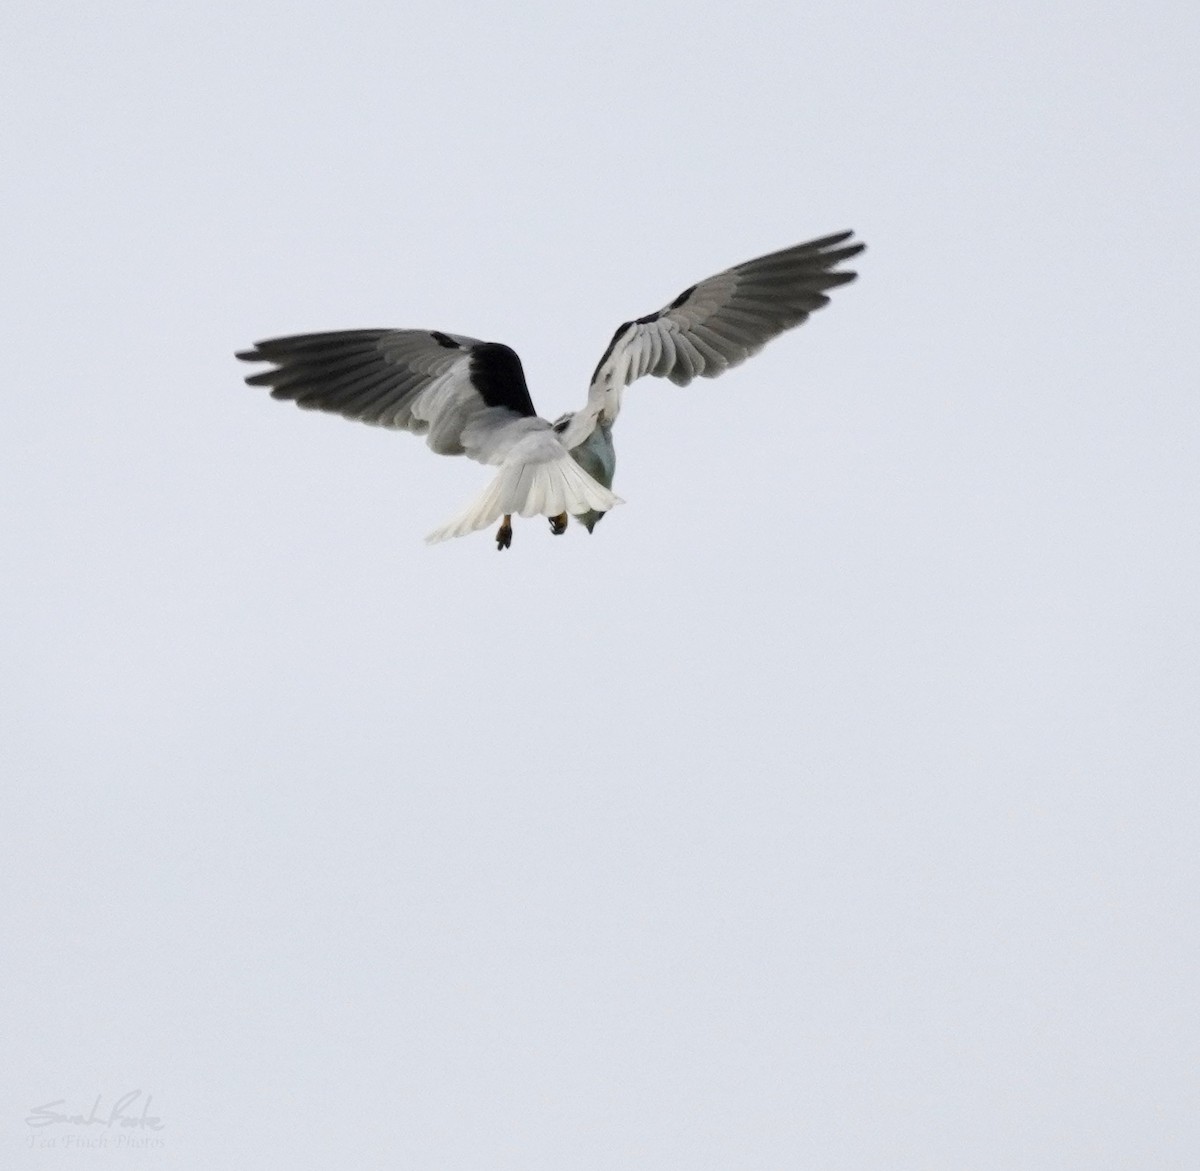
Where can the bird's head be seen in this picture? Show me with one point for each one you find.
(597, 456)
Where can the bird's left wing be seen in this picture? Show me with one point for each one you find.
(466, 396)
(461, 393)
(722, 320)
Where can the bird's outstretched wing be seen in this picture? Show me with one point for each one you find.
(722, 320)
(466, 396)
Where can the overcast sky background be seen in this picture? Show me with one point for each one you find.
(834, 805)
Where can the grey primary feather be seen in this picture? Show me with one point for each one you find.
(721, 321)
(422, 381)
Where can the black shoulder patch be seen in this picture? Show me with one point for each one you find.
(445, 340)
(682, 297)
(497, 374)
(622, 330)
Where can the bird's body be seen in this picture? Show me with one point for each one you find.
(469, 397)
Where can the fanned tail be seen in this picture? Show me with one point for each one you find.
(530, 488)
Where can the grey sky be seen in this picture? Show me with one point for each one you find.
(834, 805)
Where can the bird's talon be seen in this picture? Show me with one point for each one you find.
(558, 524)
(504, 534)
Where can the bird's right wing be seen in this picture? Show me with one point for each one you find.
(465, 395)
(722, 320)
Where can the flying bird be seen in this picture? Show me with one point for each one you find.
(469, 397)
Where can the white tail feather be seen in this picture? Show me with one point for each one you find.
(530, 488)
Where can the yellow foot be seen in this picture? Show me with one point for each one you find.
(504, 533)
